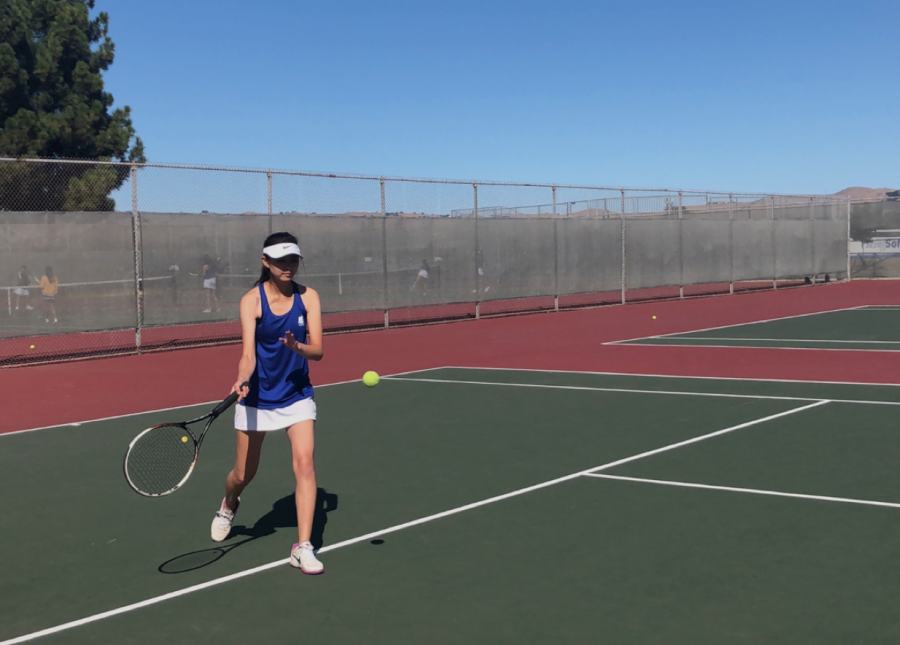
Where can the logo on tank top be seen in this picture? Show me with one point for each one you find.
(300, 320)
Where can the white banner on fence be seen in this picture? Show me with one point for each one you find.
(881, 246)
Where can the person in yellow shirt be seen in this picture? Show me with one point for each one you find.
(49, 289)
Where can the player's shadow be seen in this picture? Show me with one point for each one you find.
(283, 515)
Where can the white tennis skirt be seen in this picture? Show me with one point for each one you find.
(254, 419)
(209, 283)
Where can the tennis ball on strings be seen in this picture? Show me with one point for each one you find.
(184, 440)
(371, 378)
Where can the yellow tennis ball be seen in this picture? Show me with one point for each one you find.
(654, 317)
(371, 378)
(32, 347)
(184, 440)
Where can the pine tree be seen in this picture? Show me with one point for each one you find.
(53, 106)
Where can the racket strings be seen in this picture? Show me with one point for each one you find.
(160, 459)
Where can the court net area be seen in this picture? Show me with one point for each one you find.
(482, 505)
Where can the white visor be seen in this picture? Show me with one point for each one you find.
(281, 250)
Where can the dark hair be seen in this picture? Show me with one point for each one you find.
(49, 272)
(274, 238)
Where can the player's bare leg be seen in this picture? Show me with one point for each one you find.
(246, 463)
(302, 450)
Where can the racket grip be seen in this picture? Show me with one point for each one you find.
(228, 402)
(224, 405)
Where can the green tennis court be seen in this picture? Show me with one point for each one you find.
(861, 328)
(474, 505)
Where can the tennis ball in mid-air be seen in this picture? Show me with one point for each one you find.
(654, 317)
(32, 347)
(371, 378)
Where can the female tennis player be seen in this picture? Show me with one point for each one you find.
(210, 273)
(281, 324)
(49, 289)
(422, 277)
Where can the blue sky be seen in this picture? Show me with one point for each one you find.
(757, 96)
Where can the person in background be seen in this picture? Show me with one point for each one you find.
(49, 289)
(23, 281)
(422, 277)
(478, 258)
(221, 277)
(173, 271)
(209, 284)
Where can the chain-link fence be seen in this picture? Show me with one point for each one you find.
(128, 244)
(875, 238)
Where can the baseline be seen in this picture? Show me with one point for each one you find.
(754, 491)
(399, 527)
(794, 349)
(783, 340)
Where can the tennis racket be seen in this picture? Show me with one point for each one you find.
(160, 459)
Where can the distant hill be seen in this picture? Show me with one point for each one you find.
(862, 193)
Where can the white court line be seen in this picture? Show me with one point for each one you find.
(190, 405)
(755, 322)
(788, 349)
(754, 491)
(635, 391)
(704, 378)
(393, 529)
(782, 340)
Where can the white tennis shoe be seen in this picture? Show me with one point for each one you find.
(221, 524)
(304, 558)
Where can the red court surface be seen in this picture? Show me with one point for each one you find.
(63, 393)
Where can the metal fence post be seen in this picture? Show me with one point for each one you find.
(774, 248)
(730, 249)
(269, 183)
(555, 256)
(384, 257)
(138, 261)
(812, 238)
(622, 214)
(477, 277)
(680, 248)
(848, 240)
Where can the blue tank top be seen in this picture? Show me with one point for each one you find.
(281, 376)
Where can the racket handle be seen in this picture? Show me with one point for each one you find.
(224, 405)
(228, 402)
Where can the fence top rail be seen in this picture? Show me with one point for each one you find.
(469, 182)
